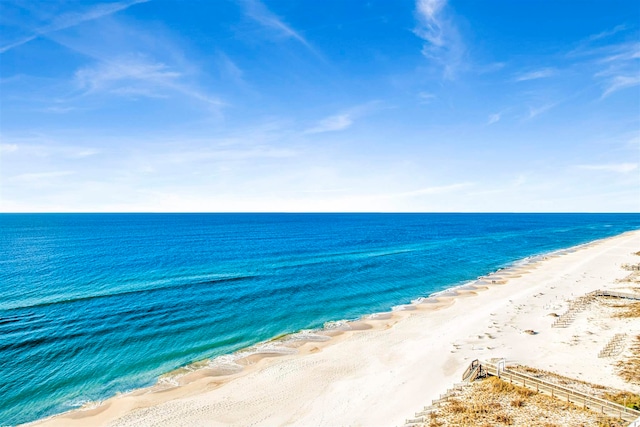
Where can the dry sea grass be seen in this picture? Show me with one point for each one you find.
(630, 310)
(625, 398)
(634, 277)
(558, 379)
(629, 368)
(493, 402)
(624, 308)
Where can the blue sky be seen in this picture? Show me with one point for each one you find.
(426, 105)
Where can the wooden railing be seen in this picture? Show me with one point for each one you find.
(581, 303)
(559, 392)
(616, 294)
(476, 368)
(575, 307)
(472, 372)
(613, 347)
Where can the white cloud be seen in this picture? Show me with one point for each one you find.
(612, 167)
(137, 76)
(332, 123)
(344, 119)
(536, 111)
(536, 74)
(494, 118)
(257, 11)
(607, 33)
(8, 148)
(71, 19)
(426, 98)
(633, 52)
(442, 41)
(620, 82)
(105, 74)
(230, 69)
(615, 64)
(431, 29)
(490, 68)
(84, 152)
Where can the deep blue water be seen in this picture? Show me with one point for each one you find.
(94, 304)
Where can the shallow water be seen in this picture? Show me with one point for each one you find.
(94, 304)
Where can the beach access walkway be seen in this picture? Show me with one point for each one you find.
(479, 369)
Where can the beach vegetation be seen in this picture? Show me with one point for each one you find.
(504, 419)
(629, 368)
(494, 402)
(517, 402)
(630, 400)
(629, 310)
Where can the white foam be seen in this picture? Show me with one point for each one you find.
(335, 325)
(84, 404)
(308, 335)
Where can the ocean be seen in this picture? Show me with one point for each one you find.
(96, 304)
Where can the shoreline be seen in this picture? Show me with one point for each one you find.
(201, 377)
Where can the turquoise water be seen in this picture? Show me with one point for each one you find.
(95, 304)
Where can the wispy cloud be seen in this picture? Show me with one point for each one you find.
(137, 76)
(620, 82)
(342, 120)
(257, 11)
(71, 19)
(490, 68)
(535, 74)
(92, 79)
(426, 97)
(621, 70)
(494, 118)
(84, 152)
(626, 52)
(607, 33)
(333, 123)
(431, 29)
(612, 167)
(442, 41)
(595, 42)
(230, 70)
(536, 111)
(616, 63)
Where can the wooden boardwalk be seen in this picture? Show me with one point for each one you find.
(615, 294)
(560, 392)
(479, 369)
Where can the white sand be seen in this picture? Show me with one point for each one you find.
(381, 376)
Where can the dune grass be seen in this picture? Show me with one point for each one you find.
(629, 368)
(493, 402)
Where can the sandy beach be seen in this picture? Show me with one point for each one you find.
(380, 370)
